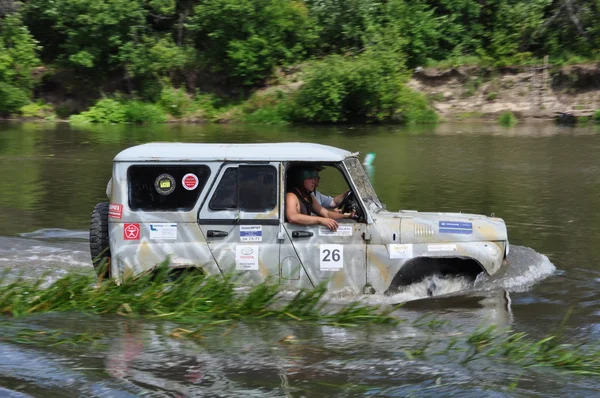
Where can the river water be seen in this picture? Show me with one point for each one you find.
(543, 180)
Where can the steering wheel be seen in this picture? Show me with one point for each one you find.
(348, 203)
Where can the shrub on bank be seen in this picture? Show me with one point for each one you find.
(11, 99)
(508, 119)
(597, 115)
(112, 111)
(367, 88)
(38, 110)
(175, 101)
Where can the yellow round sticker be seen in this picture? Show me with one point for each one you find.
(164, 184)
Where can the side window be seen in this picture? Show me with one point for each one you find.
(257, 188)
(165, 187)
(246, 188)
(225, 196)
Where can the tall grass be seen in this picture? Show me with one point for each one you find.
(190, 297)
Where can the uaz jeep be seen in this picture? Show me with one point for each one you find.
(219, 208)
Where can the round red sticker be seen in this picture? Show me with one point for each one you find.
(190, 181)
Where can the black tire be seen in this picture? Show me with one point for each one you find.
(99, 240)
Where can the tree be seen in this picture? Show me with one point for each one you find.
(18, 58)
(246, 39)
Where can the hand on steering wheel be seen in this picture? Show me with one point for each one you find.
(347, 202)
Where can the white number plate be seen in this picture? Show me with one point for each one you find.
(331, 257)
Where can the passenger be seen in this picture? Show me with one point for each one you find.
(328, 202)
(300, 204)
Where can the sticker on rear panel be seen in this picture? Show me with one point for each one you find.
(163, 231)
(115, 210)
(343, 230)
(164, 184)
(190, 181)
(441, 248)
(331, 257)
(131, 231)
(251, 233)
(246, 257)
(401, 250)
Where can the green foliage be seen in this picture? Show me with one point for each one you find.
(38, 110)
(18, 55)
(188, 297)
(508, 119)
(273, 108)
(112, 111)
(11, 99)
(351, 89)
(246, 39)
(413, 108)
(143, 112)
(492, 96)
(175, 101)
(230, 46)
(88, 35)
(154, 56)
(17, 60)
(597, 115)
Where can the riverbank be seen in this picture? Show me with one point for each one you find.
(528, 92)
(568, 94)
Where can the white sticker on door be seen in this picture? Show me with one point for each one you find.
(441, 248)
(246, 257)
(401, 251)
(343, 230)
(251, 233)
(331, 257)
(163, 231)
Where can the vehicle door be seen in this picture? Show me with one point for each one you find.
(338, 258)
(240, 220)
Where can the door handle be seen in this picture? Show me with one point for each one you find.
(216, 234)
(301, 234)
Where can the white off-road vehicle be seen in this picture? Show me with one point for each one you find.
(220, 208)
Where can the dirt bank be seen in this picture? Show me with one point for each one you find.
(528, 92)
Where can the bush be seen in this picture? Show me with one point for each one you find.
(367, 88)
(112, 111)
(350, 89)
(597, 115)
(413, 108)
(175, 101)
(492, 96)
(105, 111)
(143, 112)
(508, 119)
(38, 110)
(11, 99)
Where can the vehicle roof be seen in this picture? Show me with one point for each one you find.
(185, 152)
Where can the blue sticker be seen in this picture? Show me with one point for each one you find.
(455, 227)
(251, 233)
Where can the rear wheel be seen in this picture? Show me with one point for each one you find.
(99, 240)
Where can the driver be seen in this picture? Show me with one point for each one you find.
(329, 202)
(300, 204)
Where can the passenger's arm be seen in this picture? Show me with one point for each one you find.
(293, 215)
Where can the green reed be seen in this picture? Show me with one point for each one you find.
(190, 297)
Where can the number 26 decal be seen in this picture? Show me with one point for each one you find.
(331, 257)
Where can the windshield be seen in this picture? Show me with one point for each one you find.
(363, 185)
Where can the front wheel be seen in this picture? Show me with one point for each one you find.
(99, 240)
